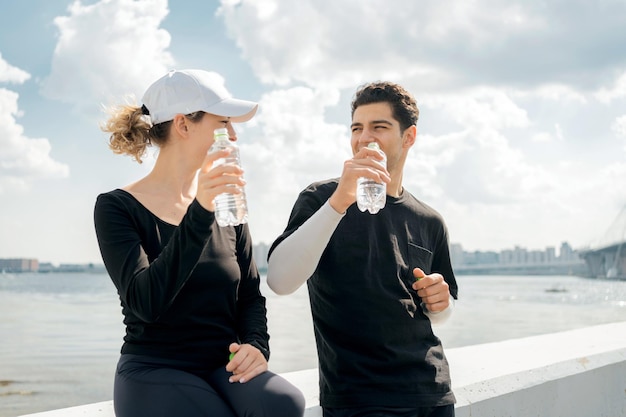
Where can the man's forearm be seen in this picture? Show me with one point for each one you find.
(294, 260)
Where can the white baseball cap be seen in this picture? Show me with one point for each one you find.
(188, 91)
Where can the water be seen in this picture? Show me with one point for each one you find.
(370, 195)
(61, 333)
(230, 209)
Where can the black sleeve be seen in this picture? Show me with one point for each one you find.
(147, 287)
(442, 263)
(251, 309)
(309, 201)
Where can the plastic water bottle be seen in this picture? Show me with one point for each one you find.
(371, 195)
(230, 209)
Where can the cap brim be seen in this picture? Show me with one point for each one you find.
(238, 111)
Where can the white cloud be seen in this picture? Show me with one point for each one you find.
(547, 136)
(481, 173)
(558, 132)
(575, 205)
(474, 162)
(519, 107)
(487, 107)
(292, 147)
(476, 166)
(617, 91)
(444, 22)
(328, 42)
(542, 137)
(553, 92)
(11, 74)
(619, 127)
(442, 45)
(22, 160)
(505, 102)
(107, 50)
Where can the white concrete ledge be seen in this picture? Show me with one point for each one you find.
(102, 409)
(578, 373)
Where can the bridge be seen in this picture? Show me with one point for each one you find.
(607, 259)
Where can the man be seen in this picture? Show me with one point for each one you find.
(376, 282)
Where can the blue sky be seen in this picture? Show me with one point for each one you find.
(522, 132)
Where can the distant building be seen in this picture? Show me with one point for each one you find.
(550, 254)
(517, 260)
(33, 265)
(259, 253)
(19, 265)
(480, 258)
(457, 255)
(566, 253)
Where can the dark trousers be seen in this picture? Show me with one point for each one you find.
(442, 411)
(155, 387)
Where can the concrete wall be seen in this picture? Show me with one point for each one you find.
(579, 373)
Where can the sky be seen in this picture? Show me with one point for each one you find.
(521, 137)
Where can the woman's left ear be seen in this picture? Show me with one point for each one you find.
(180, 124)
(409, 136)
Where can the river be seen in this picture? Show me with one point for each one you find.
(61, 333)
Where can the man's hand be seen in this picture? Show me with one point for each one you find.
(432, 289)
(365, 163)
(246, 363)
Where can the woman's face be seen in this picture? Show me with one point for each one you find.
(203, 130)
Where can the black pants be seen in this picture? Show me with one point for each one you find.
(146, 386)
(443, 411)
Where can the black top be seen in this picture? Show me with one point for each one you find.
(375, 345)
(186, 291)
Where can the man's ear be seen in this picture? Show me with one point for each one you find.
(409, 136)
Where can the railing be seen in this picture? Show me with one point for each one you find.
(578, 373)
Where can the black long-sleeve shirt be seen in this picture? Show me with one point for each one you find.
(186, 291)
(375, 345)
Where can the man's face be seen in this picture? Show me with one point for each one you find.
(375, 123)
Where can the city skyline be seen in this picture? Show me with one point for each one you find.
(510, 261)
(261, 250)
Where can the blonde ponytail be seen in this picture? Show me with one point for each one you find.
(130, 131)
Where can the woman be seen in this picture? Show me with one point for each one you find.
(196, 339)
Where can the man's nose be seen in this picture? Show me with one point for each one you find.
(367, 136)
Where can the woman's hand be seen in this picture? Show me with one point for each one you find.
(247, 362)
(215, 180)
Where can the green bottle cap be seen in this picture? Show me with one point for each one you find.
(220, 133)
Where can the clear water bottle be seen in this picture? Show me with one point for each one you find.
(230, 209)
(371, 195)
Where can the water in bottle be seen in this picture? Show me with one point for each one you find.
(371, 195)
(230, 209)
